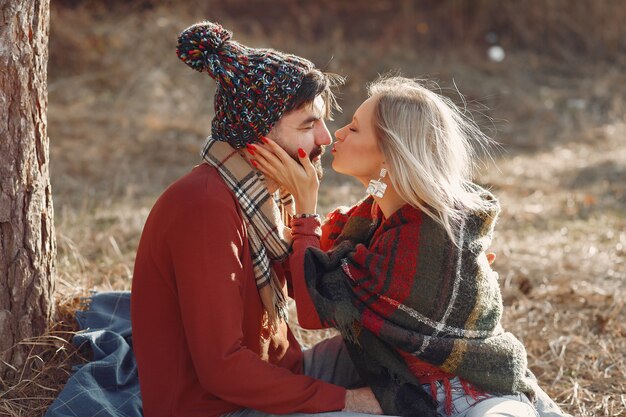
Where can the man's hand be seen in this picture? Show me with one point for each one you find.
(362, 400)
(279, 342)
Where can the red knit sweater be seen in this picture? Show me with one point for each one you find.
(197, 317)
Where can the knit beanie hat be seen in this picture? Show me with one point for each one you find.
(254, 86)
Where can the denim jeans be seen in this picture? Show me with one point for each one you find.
(329, 361)
(463, 405)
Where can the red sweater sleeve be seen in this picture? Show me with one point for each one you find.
(206, 254)
(306, 233)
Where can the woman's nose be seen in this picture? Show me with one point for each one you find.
(339, 133)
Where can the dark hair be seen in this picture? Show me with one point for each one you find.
(316, 83)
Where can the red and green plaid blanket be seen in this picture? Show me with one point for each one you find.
(401, 285)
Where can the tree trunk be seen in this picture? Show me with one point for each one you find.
(27, 241)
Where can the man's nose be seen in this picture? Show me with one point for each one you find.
(323, 136)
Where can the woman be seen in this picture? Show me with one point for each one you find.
(404, 274)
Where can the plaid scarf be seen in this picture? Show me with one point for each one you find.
(265, 216)
(400, 289)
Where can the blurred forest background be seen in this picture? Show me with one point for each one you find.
(545, 78)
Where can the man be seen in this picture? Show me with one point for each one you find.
(208, 296)
(209, 286)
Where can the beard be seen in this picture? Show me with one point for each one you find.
(319, 170)
(319, 151)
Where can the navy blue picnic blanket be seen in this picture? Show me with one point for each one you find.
(109, 384)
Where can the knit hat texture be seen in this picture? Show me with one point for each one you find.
(254, 86)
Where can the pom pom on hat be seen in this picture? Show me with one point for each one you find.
(199, 44)
(254, 86)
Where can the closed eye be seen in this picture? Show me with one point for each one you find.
(309, 123)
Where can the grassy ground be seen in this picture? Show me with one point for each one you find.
(126, 118)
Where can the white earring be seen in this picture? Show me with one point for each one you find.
(377, 187)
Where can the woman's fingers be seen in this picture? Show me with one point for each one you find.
(280, 160)
(296, 176)
(287, 173)
(276, 149)
(261, 164)
(287, 159)
(265, 163)
(273, 155)
(306, 163)
(266, 160)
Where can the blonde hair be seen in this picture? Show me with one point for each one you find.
(428, 144)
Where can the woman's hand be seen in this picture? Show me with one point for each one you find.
(298, 178)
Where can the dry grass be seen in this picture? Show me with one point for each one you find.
(562, 240)
(126, 119)
(47, 367)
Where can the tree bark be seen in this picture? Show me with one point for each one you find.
(27, 240)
